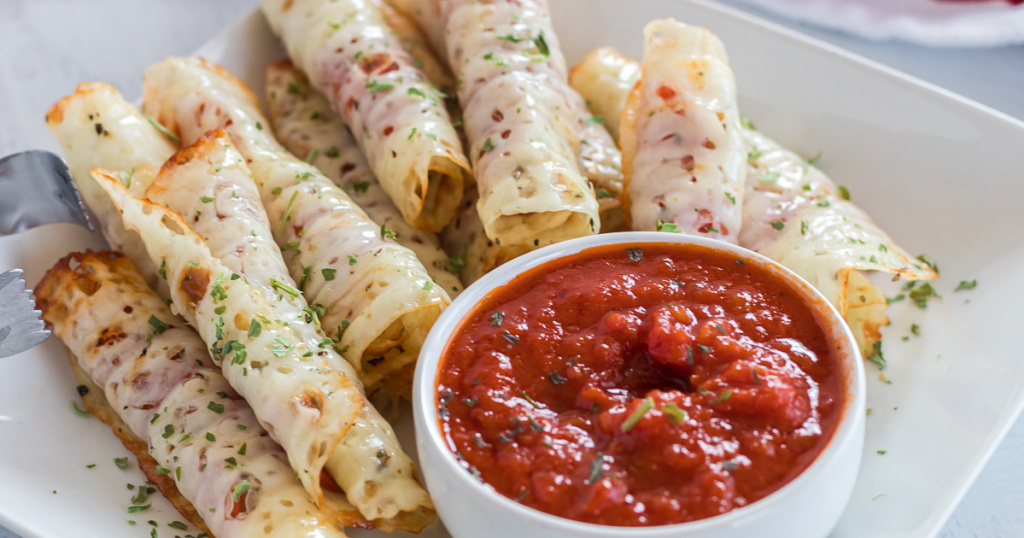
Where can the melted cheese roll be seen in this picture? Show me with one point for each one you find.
(683, 152)
(157, 374)
(350, 53)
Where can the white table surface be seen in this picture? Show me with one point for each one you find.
(49, 46)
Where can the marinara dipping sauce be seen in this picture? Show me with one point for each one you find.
(644, 386)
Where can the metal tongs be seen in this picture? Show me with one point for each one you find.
(35, 189)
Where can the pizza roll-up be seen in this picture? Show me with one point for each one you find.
(605, 78)
(209, 185)
(272, 353)
(797, 216)
(523, 122)
(400, 122)
(158, 376)
(683, 152)
(305, 124)
(378, 300)
(95, 126)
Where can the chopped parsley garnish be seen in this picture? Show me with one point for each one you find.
(876, 355)
(240, 489)
(529, 399)
(136, 509)
(753, 155)
(670, 227)
(178, 525)
(674, 412)
(206, 199)
(601, 193)
(915, 329)
(638, 414)
(281, 286)
(211, 437)
(157, 325)
(731, 197)
(312, 155)
(927, 260)
(428, 285)
(361, 186)
(541, 44)
(556, 378)
(921, 293)
(778, 224)
(595, 120)
(353, 259)
(328, 273)
(215, 407)
(416, 91)
(745, 121)
(596, 468)
(510, 38)
(844, 193)
(160, 469)
(255, 328)
(966, 285)
(816, 158)
(721, 397)
(122, 463)
(241, 449)
(385, 233)
(703, 348)
(287, 212)
(769, 177)
(458, 261)
(163, 130)
(168, 431)
(79, 412)
(377, 86)
(487, 145)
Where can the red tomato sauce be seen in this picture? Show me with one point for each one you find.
(645, 386)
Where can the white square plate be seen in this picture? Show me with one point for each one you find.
(941, 174)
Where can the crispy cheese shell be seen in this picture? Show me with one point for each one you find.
(95, 126)
(683, 152)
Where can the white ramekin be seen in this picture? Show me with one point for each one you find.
(809, 506)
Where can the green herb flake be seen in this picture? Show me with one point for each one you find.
(596, 468)
(377, 86)
(136, 509)
(769, 177)
(721, 397)
(215, 407)
(206, 199)
(240, 490)
(178, 525)
(601, 193)
(497, 318)
(876, 356)
(79, 412)
(674, 412)
(353, 259)
(638, 414)
(966, 285)
(669, 227)
(595, 120)
(844, 193)
(157, 325)
(255, 328)
(122, 463)
(778, 224)
(487, 145)
(287, 212)
(915, 329)
(163, 130)
(281, 286)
